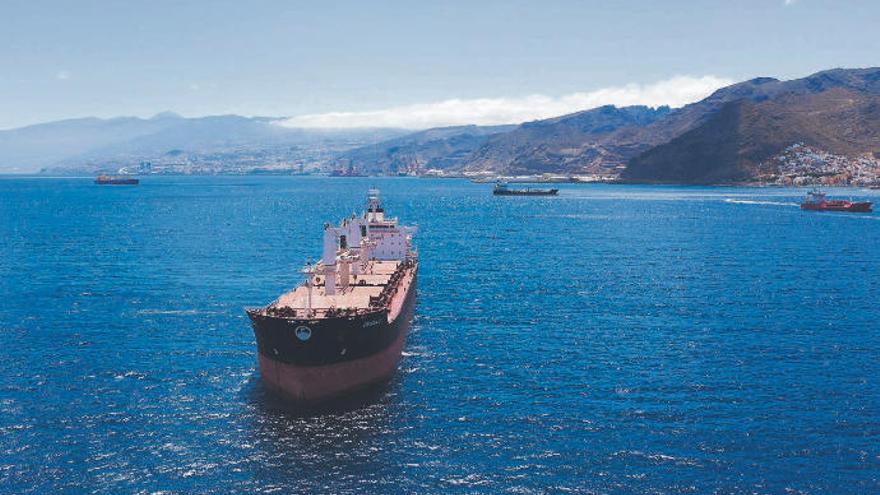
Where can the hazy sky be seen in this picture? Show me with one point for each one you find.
(415, 63)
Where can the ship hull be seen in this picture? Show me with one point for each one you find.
(864, 207)
(341, 355)
(117, 182)
(315, 384)
(543, 192)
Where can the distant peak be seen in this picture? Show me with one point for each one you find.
(762, 80)
(166, 115)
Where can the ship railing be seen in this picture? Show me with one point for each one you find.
(375, 302)
(302, 313)
(384, 297)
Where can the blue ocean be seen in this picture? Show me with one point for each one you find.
(611, 340)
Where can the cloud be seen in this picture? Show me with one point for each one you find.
(675, 92)
(790, 2)
(62, 75)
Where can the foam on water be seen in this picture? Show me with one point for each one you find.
(754, 202)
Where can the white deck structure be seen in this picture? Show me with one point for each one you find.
(361, 257)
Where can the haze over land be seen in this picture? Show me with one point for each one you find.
(216, 144)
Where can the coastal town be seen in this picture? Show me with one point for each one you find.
(802, 165)
(797, 165)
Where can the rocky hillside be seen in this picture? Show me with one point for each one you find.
(835, 111)
(603, 140)
(441, 148)
(725, 137)
(576, 143)
(579, 143)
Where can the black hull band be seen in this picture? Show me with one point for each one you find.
(326, 341)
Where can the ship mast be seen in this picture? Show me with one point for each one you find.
(329, 259)
(309, 273)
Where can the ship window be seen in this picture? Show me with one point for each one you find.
(343, 242)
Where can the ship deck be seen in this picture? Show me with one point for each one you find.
(357, 295)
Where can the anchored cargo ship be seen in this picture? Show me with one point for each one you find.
(501, 189)
(115, 181)
(816, 201)
(344, 327)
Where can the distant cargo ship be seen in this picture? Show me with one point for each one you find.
(817, 201)
(344, 327)
(501, 189)
(116, 181)
(352, 172)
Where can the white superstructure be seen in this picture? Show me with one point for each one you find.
(350, 247)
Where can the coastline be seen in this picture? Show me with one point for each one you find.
(483, 180)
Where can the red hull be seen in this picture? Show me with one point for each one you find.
(318, 383)
(838, 206)
(314, 384)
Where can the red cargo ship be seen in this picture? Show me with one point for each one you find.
(816, 201)
(344, 327)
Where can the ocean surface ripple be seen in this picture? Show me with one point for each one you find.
(610, 340)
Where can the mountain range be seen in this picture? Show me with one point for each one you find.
(90, 144)
(836, 112)
(442, 148)
(738, 133)
(729, 136)
(583, 142)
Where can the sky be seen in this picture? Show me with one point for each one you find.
(406, 64)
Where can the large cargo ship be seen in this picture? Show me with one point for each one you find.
(817, 201)
(344, 327)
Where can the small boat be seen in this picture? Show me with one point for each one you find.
(816, 201)
(501, 189)
(116, 181)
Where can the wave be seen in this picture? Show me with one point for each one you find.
(174, 312)
(755, 202)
